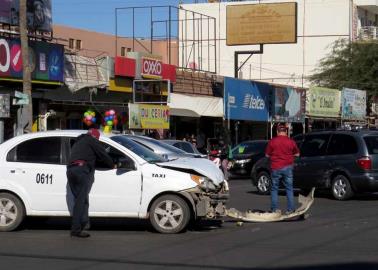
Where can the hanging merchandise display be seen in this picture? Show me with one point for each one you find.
(89, 118)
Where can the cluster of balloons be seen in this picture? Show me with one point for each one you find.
(110, 120)
(89, 118)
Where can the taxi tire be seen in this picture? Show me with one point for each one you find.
(177, 201)
(19, 210)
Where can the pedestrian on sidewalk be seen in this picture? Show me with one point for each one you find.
(281, 150)
(85, 154)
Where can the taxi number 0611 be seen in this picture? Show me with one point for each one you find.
(42, 178)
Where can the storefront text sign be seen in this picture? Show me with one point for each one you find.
(46, 60)
(323, 102)
(152, 68)
(146, 116)
(246, 100)
(289, 104)
(353, 104)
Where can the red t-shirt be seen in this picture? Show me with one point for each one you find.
(281, 151)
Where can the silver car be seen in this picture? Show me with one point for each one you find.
(185, 146)
(163, 149)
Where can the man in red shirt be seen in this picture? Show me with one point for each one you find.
(281, 151)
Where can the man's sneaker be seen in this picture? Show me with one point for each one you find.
(86, 226)
(289, 212)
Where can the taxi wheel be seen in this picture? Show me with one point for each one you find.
(169, 214)
(264, 183)
(341, 188)
(12, 212)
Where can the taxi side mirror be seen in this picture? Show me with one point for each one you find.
(126, 164)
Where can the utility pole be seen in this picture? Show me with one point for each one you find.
(25, 115)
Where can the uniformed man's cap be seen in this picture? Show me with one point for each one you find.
(94, 133)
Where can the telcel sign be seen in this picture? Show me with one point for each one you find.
(152, 68)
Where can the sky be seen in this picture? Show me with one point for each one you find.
(99, 15)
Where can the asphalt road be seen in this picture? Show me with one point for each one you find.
(337, 235)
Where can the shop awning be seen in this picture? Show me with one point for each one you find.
(195, 106)
(83, 72)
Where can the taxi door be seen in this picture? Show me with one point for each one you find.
(116, 192)
(36, 168)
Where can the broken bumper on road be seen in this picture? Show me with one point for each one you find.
(261, 216)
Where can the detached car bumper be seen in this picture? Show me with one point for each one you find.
(210, 204)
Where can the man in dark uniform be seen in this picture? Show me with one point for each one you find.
(85, 154)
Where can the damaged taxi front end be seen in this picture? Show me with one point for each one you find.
(211, 194)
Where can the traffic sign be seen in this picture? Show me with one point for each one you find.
(21, 95)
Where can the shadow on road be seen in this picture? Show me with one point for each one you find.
(172, 265)
(109, 224)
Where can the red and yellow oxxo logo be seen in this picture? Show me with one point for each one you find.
(152, 68)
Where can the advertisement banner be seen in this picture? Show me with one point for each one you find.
(323, 102)
(38, 14)
(246, 100)
(289, 104)
(146, 116)
(353, 104)
(4, 105)
(46, 60)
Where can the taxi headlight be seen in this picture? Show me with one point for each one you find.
(242, 161)
(203, 182)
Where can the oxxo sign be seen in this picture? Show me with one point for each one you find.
(152, 68)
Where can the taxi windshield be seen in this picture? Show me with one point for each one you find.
(138, 149)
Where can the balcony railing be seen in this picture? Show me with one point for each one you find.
(368, 32)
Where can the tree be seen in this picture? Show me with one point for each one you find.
(350, 64)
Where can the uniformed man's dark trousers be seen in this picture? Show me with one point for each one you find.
(80, 180)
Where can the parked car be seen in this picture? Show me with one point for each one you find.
(33, 182)
(244, 156)
(184, 146)
(344, 162)
(161, 148)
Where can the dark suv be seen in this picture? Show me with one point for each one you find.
(343, 161)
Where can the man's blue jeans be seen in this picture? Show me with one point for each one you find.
(286, 174)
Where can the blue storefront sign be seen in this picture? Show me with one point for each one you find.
(246, 100)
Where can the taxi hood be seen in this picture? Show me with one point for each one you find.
(200, 166)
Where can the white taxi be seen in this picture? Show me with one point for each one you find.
(33, 182)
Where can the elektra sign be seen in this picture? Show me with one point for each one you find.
(152, 68)
(246, 100)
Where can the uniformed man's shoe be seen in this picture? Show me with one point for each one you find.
(80, 234)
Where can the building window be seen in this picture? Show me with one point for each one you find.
(71, 43)
(78, 44)
(124, 50)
